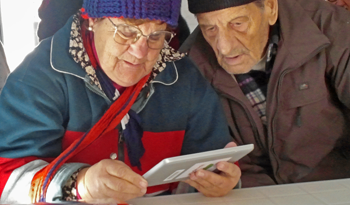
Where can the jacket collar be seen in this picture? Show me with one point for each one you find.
(301, 39)
(60, 58)
(167, 78)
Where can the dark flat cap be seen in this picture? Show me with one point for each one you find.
(202, 6)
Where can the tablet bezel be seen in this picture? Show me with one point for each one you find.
(176, 166)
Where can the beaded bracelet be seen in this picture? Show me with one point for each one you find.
(69, 190)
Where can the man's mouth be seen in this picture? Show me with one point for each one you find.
(233, 60)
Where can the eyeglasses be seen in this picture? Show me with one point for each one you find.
(127, 34)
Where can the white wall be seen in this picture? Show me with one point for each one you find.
(19, 20)
(190, 18)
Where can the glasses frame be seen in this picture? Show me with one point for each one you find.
(140, 34)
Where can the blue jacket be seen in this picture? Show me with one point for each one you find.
(48, 102)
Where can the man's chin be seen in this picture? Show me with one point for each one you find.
(236, 69)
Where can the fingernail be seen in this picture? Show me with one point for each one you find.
(193, 177)
(143, 184)
(200, 174)
(220, 166)
(143, 191)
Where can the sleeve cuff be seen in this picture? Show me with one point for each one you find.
(54, 191)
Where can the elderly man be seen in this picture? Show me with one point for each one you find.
(282, 71)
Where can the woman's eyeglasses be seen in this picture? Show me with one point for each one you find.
(127, 34)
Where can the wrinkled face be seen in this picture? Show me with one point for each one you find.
(126, 65)
(238, 35)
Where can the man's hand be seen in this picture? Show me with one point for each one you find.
(110, 181)
(213, 185)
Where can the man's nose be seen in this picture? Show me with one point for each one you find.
(139, 49)
(225, 42)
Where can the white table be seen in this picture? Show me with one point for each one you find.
(310, 193)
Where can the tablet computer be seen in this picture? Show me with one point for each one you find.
(179, 168)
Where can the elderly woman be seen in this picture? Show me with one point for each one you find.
(97, 105)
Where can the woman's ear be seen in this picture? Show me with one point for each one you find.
(271, 9)
(91, 24)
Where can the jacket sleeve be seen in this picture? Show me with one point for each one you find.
(339, 71)
(32, 126)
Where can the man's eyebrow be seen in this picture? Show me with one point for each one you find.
(238, 17)
(204, 25)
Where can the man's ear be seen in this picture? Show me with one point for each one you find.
(271, 9)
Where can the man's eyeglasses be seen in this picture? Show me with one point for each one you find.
(127, 34)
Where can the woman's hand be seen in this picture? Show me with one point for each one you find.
(110, 181)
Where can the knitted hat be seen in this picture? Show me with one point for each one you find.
(165, 10)
(202, 6)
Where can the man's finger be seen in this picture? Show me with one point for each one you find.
(229, 169)
(207, 179)
(193, 184)
(201, 189)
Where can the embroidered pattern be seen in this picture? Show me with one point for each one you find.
(77, 50)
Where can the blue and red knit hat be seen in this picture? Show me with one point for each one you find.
(165, 10)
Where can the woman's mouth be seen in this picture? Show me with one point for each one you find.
(132, 64)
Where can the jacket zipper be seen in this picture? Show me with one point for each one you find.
(251, 120)
(121, 140)
(298, 121)
(121, 145)
(277, 175)
(298, 117)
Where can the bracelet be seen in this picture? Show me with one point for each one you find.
(69, 190)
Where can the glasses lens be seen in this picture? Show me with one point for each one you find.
(126, 34)
(158, 39)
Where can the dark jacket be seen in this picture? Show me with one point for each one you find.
(308, 98)
(48, 102)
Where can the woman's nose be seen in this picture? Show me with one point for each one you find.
(139, 49)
